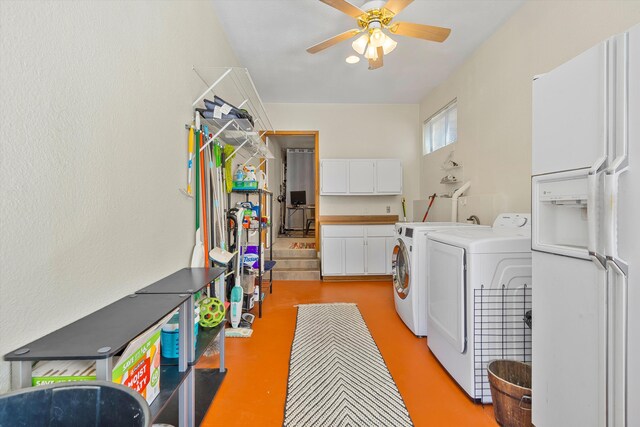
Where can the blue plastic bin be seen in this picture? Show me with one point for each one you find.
(169, 337)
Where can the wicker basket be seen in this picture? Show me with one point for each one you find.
(510, 382)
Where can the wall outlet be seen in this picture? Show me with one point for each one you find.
(388, 209)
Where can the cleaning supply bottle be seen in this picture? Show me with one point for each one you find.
(239, 176)
(262, 180)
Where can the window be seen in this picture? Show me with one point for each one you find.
(441, 129)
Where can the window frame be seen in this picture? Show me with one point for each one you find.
(428, 123)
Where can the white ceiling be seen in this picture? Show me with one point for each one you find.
(270, 38)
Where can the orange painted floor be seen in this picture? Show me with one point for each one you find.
(254, 390)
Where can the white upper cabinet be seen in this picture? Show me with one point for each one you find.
(389, 176)
(334, 177)
(361, 176)
(352, 177)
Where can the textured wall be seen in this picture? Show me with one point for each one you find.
(354, 131)
(93, 100)
(493, 88)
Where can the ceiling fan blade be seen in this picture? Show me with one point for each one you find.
(374, 64)
(426, 32)
(345, 7)
(396, 6)
(333, 40)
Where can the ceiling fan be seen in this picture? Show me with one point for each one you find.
(374, 17)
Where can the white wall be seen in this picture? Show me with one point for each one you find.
(493, 88)
(360, 131)
(94, 100)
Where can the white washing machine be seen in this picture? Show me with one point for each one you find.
(466, 264)
(409, 270)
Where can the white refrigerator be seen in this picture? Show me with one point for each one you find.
(586, 238)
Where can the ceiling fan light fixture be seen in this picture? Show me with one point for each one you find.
(388, 45)
(372, 52)
(374, 26)
(377, 37)
(352, 59)
(360, 44)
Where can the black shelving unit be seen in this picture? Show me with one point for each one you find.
(269, 264)
(185, 392)
(206, 384)
(198, 393)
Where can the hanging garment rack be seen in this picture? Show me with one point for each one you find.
(237, 132)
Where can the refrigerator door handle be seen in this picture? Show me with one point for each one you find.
(620, 144)
(617, 335)
(611, 199)
(593, 218)
(610, 214)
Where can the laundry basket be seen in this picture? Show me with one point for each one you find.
(510, 382)
(81, 404)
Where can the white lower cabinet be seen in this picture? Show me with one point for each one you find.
(333, 256)
(376, 255)
(354, 255)
(356, 250)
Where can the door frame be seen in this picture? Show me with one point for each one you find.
(316, 155)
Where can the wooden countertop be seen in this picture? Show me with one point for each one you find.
(358, 219)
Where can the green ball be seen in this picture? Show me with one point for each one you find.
(211, 312)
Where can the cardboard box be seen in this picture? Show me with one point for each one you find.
(138, 367)
(57, 371)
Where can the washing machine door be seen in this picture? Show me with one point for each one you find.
(401, 270)
(445, 293)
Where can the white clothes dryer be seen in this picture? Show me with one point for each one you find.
(462, 261)
(409, 270)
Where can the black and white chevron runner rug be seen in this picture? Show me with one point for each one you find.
(337, 376)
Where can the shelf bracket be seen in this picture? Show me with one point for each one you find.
(210, 88)
(251, 158)
(210, 140)
(104, 369)
(239, 147)
(222, 284)
(187, 401)
(21, 374)
(186, 355)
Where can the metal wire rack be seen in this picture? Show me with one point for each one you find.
(500, 331)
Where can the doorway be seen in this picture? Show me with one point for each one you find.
(294, 180)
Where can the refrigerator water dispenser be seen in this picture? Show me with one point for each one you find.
(561, 213)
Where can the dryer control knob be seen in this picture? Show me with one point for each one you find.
(519, 221)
